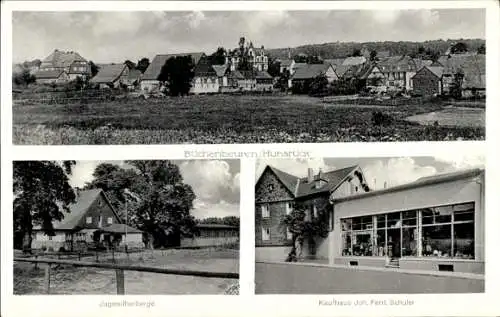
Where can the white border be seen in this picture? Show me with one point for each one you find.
(247, 303)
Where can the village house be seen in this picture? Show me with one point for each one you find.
(398, 71)
(150, 80)
(205, 79)
(256, 57)
(92, 220)
(71, 62)
(52, 77)
(473, 69)
(428, 81)
(304, 75)
(264, 81)
(287, 65)
(133, 79)
(222, 72)
(111, 76)
(277, 193)
(212, 235)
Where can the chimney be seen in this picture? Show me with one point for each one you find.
(310, 176)
(289, 53)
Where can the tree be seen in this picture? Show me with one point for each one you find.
(460, 47)
(94, 69)
(282, 82)
(142, 64)
(456, 85)
(273, 67)
(228, 220)
(305, 228)
(314, 59)
(40, 187)
(481, 49)
(356, 52)
(218, 57)
(373, 56)
(24, 78)
(301, 58)
(164, 204)
(131, 65)
(177, 73)
(318, 85)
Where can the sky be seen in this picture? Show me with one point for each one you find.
(391, 170)
(117, 36)
(216, 183)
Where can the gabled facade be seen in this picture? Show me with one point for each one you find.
(205, 79)
(111, 75)
(91, 213)
(277, 194)
(428, 81)
(70, 62)
(150, 82)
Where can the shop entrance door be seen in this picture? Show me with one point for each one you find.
(394, 245)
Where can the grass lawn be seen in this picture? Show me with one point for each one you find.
(76, 281)
(226, 119)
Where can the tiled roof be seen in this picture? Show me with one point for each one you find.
(300, 187)
(341, 69)
(108, 73)
(77, 210)
(436, 70)
(396, 63)
(62, 58)
(310, 71)
(263, 75)
(334, 179)
(134, 74)
(154, 68)
(473, 66)
(49, 74)
(354, 60)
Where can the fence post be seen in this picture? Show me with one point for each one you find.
(120, 282)
(36, 263)
(79, 255)
(47, 279)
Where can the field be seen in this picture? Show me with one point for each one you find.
(232, 119)
(77, 280)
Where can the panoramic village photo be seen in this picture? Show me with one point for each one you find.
(167, 77)
(400, 225)
(126, 227)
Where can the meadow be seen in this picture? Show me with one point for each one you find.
(69, 280)
(223, 119)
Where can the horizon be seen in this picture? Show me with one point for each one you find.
(267, 49)
(146, 34)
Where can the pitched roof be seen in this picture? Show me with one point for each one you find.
(300, 187)
(334, 179)
(436, 70)
(310, 71)
(158, 61)
(334, 61)
(402, 63)
(341, 69)
(358, 71)
(263, 75)
(220, 69)
(419, 63)
(236, 74)
(473, 66)
(77, 210)
(119, 228)
(49, 74)
(134, 74)
(63, 59)
(108, 73)
(286, 62)
(354, 60)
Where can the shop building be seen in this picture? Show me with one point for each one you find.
(435, 223)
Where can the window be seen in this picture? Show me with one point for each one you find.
(444, 231)
(89, 220)
(265, 211)
(315, 211)
(289, 208)
(266, 234)
(110, 220)
(50, 238)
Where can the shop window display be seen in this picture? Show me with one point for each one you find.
(444, 231)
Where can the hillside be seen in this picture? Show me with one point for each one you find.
(344, 49)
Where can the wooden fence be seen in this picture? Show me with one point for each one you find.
(119, 271)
